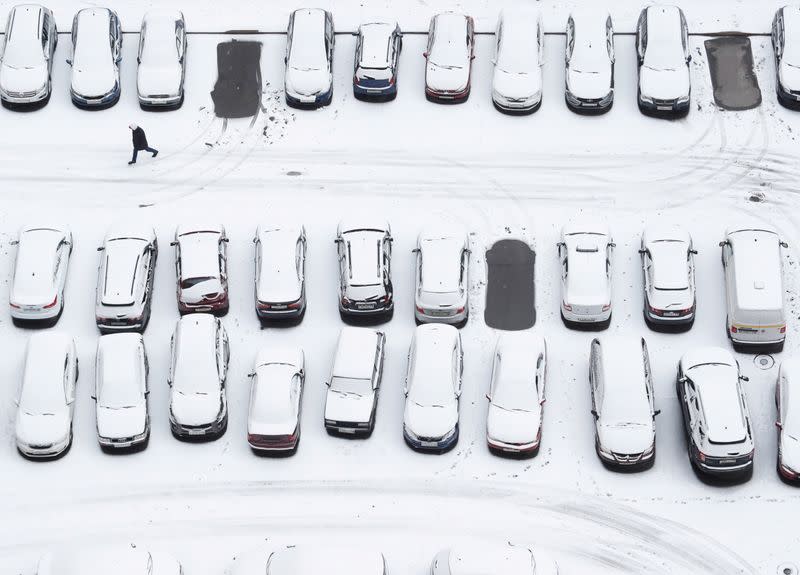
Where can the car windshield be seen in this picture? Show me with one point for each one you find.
(191, 282)
(350, 385)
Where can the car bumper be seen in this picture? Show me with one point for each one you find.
(265, 445)
(95, 101)
(161, 101)
(431, 444)
(44, 451)
(22, 98)
(198, 432)
(124, 442)
(212, 307)
(517, 105)
(667, 320)
(588, 318)
(280, 311)
(309, 101)
(356, 312)
(723, 471)
(35, 313)
(109, 325)
(753, 342)
(374, 93)
(664, 107)
(447, 96)
(788, 473)
(589, 105)
(629, 462)
(426, 317)
(513, 448)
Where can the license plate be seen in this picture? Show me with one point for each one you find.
(347, 430)
(123, 445)
(197, 431)
(439, 313)
(590, 104)
(671, 314)
(664, 108)
(365, 306)
(727, 461)
(279, 307)
(428, 444)
(374, 90)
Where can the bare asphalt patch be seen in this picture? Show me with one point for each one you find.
(730, 63)
(237, 92)
(510, 296)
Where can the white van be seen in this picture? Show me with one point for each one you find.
(754, 288)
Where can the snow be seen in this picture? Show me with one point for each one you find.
(279, 280)
(376, 44)
(719, 398)
(196, 355)
(355, 353)
(93, 67)
(441, 262)
(35, 266)
(416, 164)
(757, 271)
(330, 559)
(624, 388)
(506, 559)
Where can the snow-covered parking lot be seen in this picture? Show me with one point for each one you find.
(414, 164)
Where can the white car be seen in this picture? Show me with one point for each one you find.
(201, 266)
(40, 274)
(585, 252)
(623, 403)
(517, 394)
(96, 54)
(448, 58)
(310, 38)
(329, 559)
(26, 59)
(668, 270)
(590, 61)
(785, 34)
(432, 388)
(280, 286)
(125, 278)
(120, 391)
(518, 61)
(46, 400)
(484, 558)
(787, 401)
(365, 269)
(352, 398)
(162, 59)
(273, 421)
(662, 45)
(442, 277)
(198, 406)
(118, 559)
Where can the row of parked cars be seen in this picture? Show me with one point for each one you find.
(716, 419)
(662, 48)
(751, 258)
(509, 559)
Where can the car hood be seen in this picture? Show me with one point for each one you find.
(789, 76)
(23, 79)
(159, 80)
(123, 422)
(790, 452)
(664, 84)
(349, 406)
(628, 439)
(512, 426)
(428, 421)
(202, 291)
(588, 85)
(42, 429)
(517, 86)
(449, 79)
(307, 82)
(93, 83)
(195, 408)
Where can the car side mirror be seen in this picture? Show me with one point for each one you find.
(656, 412)
(14, 242)
(722, 244)
(693, 252)
(594, 413)
(328, 383)
(425, 54)
(146, 392)
(302, 373)
(784, 244)
(415, 251)
(688, 58)
(612, 245)
(682, 379)
(69, 61)
(642, 252)
(542, 401)
(779, 425)
(169, 382)
(489, 396)
(472, 57)
(744, 378)
(139, 60)
(251, 374)
(173, 244)
(93, 397)
(100, 249)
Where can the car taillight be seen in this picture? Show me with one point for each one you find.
(607, 307)
(384, 299)
(52, 303)
(294, 305)
(420, 309)
(345, 301)
(460, 310)
(654, 310)
(566, 306)
(783, 329)
(15, 306)
(733, 329)
(391, 81)
(700, 455)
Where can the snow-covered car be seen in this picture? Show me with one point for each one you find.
(121, 391)
(662, 45)
(585, 252)
(201, 266)
(518, 60)
(786, 46)
(162, 59)
(432, 388)
(623, 403)
(715, 415)
(40, 274)
(280, 286)
(276, 393)
(517, 394)
(96, 54)
(308, 81)
(442, 277)
(787, 401)
(355, 381)
(377, 56)
(26, 59)
(365, 269)
(487, 557)
(198, 405)
(448, 58)
(46, 400)
(590, 61)
(754, 293)
(668, 270)
(125, 278)
(326, 558)
(97, 560)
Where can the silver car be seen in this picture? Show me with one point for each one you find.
(590, 61)
(280, 286)
(668, 271)
(40, 274)
(162, 59)
(365, 273)
(442, 277)
(27, 56)
(518, 60)
(96, 54)
(125, 278)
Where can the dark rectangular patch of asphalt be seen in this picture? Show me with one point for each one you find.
(730, 63)
(510, 291)
(237, 92)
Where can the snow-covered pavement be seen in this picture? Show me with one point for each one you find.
(413, 163)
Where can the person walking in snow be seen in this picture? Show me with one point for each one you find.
(140, 143)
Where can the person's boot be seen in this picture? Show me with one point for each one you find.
(155, 153)
(131, 162)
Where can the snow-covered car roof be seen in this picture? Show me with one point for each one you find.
(790, 395)
(116, 559)
(160, 44)
(355, 353)
(758, 269)
(199, 250)
(495, 558)
(586, 249)
(717, 385)
(36, 261)
(376, 42)
(589, 50)
(123, 257)
(120, 370)
(308, 40)
(196, 349)
(668, 248)
(791, 26)
(520, 48)
(625, 392)
(93, 43)
(357, 225)
(656, 232)
(278, 279)
(23, 47)
(432, 374)
(664, 37)
(362, 245)
(328, 559)
(441, 259)
(449, 47)
(515, 378)
(129, 230)
(272, 400)
(43, 379)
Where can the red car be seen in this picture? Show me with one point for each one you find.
(451, 49)
(202, 269)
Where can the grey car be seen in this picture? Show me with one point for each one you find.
(26, 63)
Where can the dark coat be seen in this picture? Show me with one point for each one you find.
(139, 139)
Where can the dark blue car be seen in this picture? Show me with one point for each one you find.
(377, 55)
